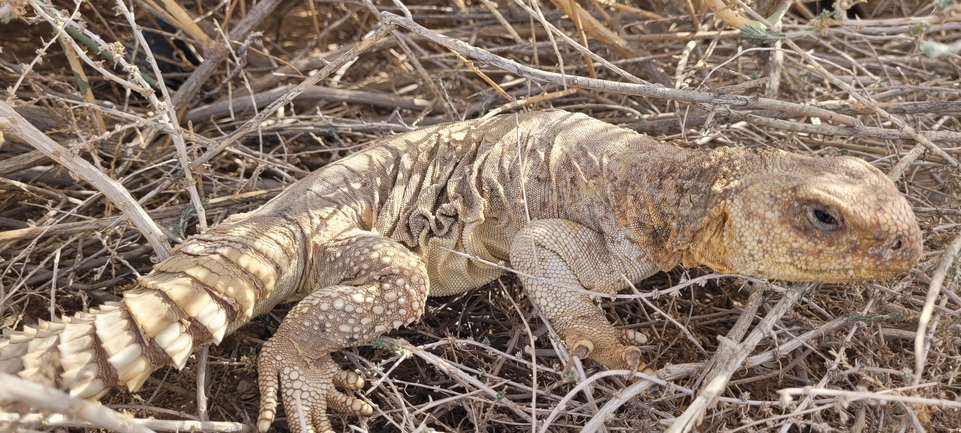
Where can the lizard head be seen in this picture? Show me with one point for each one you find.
(809, 219)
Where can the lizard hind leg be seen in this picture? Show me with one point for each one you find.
(382, 286)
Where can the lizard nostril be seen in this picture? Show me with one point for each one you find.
(897, 244)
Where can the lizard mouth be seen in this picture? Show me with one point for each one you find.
(846, 274)
(859, 274)
(883, 261)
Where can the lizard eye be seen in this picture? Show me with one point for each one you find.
(824, 217)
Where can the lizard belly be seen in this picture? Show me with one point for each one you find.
(485, 249)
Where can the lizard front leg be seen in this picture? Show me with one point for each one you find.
(554, 258)
(382, 286)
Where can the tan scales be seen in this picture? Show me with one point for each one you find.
(569, 202)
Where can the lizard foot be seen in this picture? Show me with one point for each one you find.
(628, 357)
(309, 389)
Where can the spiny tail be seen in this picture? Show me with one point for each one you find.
(87, 353)
(209, 287)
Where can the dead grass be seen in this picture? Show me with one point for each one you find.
(833, 86)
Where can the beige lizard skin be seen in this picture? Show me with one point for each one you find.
(568, 201)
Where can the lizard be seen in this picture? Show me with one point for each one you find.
(575, 206)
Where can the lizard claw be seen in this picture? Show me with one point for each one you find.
(308, 390)
(632, 357)
(581, 350)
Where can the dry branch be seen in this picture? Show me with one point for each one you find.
(14, 126)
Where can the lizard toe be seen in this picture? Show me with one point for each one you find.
(340, 402)
(349, 380)
(306, 388)
(631, 355)
(581, 350)
(630, 336)
(268, 373)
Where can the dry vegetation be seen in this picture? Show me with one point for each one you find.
(856, 82)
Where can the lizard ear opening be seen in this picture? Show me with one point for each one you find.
(823, 217)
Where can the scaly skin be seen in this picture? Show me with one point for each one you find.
(568, 201)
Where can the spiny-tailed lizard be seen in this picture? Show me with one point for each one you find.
(569, 202)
